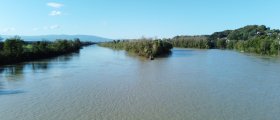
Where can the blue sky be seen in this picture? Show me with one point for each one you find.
(134, 18)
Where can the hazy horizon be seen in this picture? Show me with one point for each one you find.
(117, 38)
(126, 19)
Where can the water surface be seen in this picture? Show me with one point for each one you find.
(103, 84)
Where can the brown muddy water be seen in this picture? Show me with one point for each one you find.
(103, 84)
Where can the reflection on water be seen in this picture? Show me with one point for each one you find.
(182, 52)
(17, 71)
(40, 66)
(1, 85)
(104, 84)
(9, 92)
(14, 74)
(1, 70)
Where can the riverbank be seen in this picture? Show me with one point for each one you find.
(16, 50)
(257, 39)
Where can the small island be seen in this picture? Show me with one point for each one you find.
(143, 47)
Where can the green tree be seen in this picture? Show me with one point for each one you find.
(142, 47)
(77, 43)
(1, 46)
(40, 47)
(61, 45)
(274, 47)
(221, 44)
(13, 46)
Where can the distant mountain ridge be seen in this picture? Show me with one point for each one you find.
(55, 37)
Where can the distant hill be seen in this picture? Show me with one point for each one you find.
(246, 33)
(54, 37)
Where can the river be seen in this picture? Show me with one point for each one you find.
(103, 84)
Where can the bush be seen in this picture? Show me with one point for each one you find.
(16, 50)
(142, 47)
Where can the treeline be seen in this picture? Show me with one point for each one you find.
(142, 47)
(14, 50)
(252, 38)
(200, 42)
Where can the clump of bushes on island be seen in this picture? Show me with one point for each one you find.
(200, 42)
(142, 47)
(14, 50)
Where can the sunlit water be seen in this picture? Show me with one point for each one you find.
(103, 84)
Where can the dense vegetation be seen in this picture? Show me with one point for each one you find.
(200, 42)
(15, 50)
(143, 47)
(252, 38)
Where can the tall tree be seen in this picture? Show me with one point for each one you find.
(13, 46)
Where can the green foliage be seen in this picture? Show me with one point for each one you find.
(142, 47)
(251, 38)
(191, 42)
(230, 44)
(42, 47)
(1, 46)
(221, 44)
(16, 50)
(219, 35)
(13, 47)
(248, 32)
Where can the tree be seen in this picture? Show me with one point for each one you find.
(77, 43)
(1, 44)
(221, 44)
(13, 46)
(274, 47)
(16, 50)
(265, 46)
(61, 45)
(220, 35)
(40, 47)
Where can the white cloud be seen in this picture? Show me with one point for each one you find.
(55, 13)
(54, 5)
